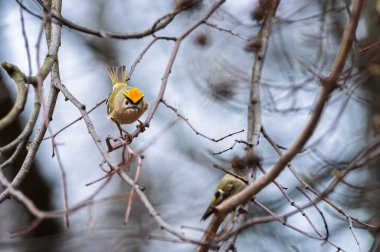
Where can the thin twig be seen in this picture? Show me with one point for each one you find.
(230, 148)
(293, 204)
(25, 40)
(154, 138)
(319, 211)
(321, 196)
(140, 57)
(75, 121)
(229, 172)
(226, 30)
(283, 222)
(64, 186)
(370, 46)
(137, 175)
(196, 131)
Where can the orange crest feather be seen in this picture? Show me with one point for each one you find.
(133, 94)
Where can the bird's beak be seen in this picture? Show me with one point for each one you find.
(134, 107)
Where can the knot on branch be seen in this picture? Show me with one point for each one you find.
(330, 83)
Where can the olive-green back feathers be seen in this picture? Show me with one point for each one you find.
(116, 96)
(228, 186)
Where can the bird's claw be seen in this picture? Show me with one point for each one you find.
(127, 137)
(141, 126)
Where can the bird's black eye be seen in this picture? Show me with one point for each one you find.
(218, 193)
(126, 102)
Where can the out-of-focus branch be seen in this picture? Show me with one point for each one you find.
(159, 24)
(215, 26)
(18, 106)
(295, 205)
(14, 156)
(365, 156)
(26, 42)
(320, 196)
(28, 127)
(284, 223)
(161, 222)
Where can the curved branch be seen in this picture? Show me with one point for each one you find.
(12, 159)
(15, 73)
(28, 127)
(159, 24)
